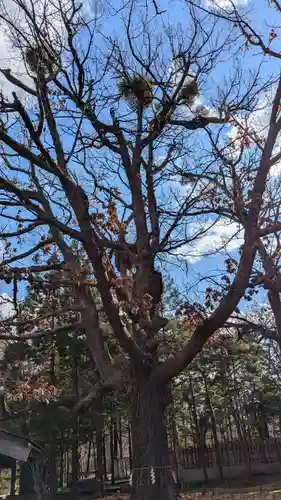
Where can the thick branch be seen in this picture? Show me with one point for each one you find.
(99, 390)
(42, 333)
(29, 252)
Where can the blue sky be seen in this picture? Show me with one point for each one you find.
(262, 16)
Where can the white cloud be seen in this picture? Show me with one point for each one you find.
(225, 4)
(258, 121)
(7, 310)
(6, 306)
(256, 125)
(275, 171)
(11, 57)
(9, 60)
(222, 235)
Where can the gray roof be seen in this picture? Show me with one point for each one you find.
(15, 446)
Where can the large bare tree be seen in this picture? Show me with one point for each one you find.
(92, 142)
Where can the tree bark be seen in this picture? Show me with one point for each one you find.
(75, 424)
(152, 476)
(130, 444)
(89, 455)
(112, 457)
(120, 438)
(100, 473)
(214, 430)
(67, 461)
(61, 473)
(26, 479)
(200, 433)
(275, 303)
(13, 478)
(243, 441)
(74, 456)
(53, 476)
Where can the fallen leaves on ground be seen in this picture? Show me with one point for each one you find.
(210, 495)
(266, 495)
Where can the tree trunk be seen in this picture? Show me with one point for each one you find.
(200, 433)
(100, 473)
(74, 456)
(130, 444)
(75, 459)
(61, 474)
(214, 431)
(275, 303)
(115, 450)
(26, 476)
(53, 477)
(120, 438)
(243, 442)
(26, 479)
(67, 466)
(89, 456)
(112, 457)
(13, 478)
(152, 476)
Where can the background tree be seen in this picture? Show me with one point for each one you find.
(238, 154)
(228, 396)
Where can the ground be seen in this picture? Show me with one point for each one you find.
(268, 492)
(273, 495)
(261, 488)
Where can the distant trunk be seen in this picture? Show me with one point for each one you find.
(26, 479)
(243, 441)
(176, 447)
(61, 474)
(100, 447)
(53, 478)
(214, 430)
(275, 303)
(130, 444)
(115, 450)
(75, 426)
(112, 457)
(200, 433)
(262, 424)
(120, 438)
(67, 462)
(13, 478)
(26, 486)
(74, 456)
(89, 456)
(152, 476)
(104, 453)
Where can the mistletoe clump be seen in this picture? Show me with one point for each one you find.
(137, 90)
